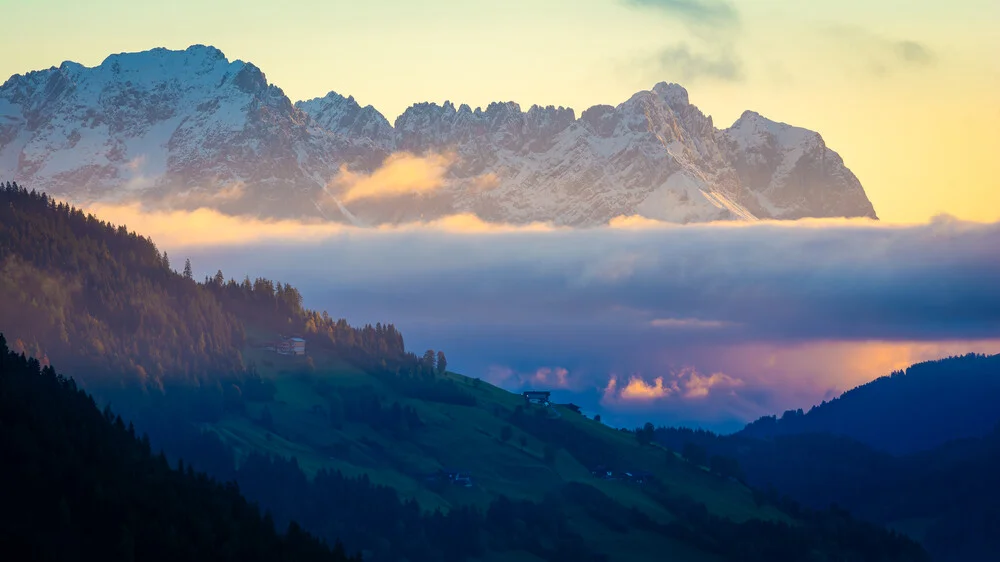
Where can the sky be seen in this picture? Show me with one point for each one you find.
(710, 325)
(907, 92)
(707, 325)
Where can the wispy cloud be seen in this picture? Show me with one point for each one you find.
(689, 323)
(913, 52)
(689, 66)
(879, 54)
(713, 25)
(712, 13)
(546, 377)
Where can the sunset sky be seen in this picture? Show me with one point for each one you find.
(711, 324)
(907, 92)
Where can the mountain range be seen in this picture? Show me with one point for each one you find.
(188, 129)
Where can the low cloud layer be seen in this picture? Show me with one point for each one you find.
(710, 325)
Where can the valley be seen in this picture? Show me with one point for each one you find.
(359, 417)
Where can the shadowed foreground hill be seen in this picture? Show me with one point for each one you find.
(78, 485)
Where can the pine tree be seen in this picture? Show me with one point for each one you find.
(428, 359)
(188, 274)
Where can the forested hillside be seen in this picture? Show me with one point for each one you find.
(104, 302)
(80, 485)
(95, 297)
(920, 408)
(944, 496)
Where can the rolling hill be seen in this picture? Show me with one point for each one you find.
(916, 451)
(920, 408)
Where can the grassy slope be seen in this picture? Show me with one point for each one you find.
(467, 438)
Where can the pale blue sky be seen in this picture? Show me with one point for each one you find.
(906, 91)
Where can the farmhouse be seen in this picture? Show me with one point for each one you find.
(537, 397)
(297, 346)
(603, 472)
(287, 346)
(458, 477)
(638, 477)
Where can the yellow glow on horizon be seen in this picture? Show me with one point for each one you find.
(837, 366)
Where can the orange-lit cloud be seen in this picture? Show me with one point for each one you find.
(467, 223)
(208, 227)
(822, 369)
(401, 174)
(557, 377)
(687, 383)
(638, 389)
(697, 385)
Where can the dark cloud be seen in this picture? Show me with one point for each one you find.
(913, 52)
(735, 321)
(713, 23)
(709, 13)
(684, 64)
(882, 55)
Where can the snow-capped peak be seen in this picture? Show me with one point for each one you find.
(753, 129)
(674, 94)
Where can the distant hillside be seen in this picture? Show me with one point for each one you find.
(918, 470)
(356, 439)
(80, 486)
(944, 497)
(920, 408)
